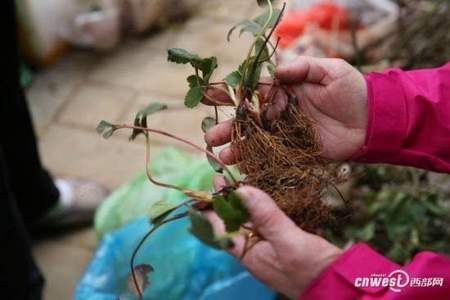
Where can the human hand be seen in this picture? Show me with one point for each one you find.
(330, 91)
(287, 258)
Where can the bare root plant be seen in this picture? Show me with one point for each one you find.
(281, 155)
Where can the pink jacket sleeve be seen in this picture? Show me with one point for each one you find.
(409, 119)
(409, 124)
(363, 274)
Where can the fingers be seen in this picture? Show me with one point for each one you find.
(305, 69)
(219, 134)
(219, 183)
(267, 218)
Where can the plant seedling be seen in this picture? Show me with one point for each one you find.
(279, 155)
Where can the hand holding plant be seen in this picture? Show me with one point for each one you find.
(330, 92)
(287, 258)
(279, 150)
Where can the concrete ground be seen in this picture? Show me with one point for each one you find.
(68, 99)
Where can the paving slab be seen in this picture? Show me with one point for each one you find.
(92, 102)
(51, 87)
(62, 266)
(76, 152)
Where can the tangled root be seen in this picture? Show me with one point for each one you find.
(285, 161)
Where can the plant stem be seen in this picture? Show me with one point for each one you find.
(255, 64)
(141, 242)
(261, 33)
(216, 114)
(161, 132)
(148, 169)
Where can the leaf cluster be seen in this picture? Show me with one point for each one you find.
(198, 82)
(228, 207)
(398, 218)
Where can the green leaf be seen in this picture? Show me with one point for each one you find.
(250, 26)
(262, 19)
(271, 70)
(151, 109)
(263, 2)
(207, 66)
(202, 229)
(214, 164)
(193, 97)
(194, 80)
(106, 129)
(141, 118)
(367, 232)
(231, 211)
(252, 79)
(233, 79)
(260, 45)
(160, 209)
(102, 126)
(181, 56)
(256, 25)
(136, 132)
(108, 133)
(207, 123)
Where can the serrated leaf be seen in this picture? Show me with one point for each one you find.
(161, 209)
(233, 79)
(205, 65)
(207, 123)
(193, 97)
(102, 126)
(142, 279)
(202, 229)
(106, 129)
(194, 80)
(231, 211)
(182, 56)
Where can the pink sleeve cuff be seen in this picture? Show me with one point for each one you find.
(358, 261)
(408, 115)
(387, 119)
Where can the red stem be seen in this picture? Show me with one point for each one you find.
(210, 154)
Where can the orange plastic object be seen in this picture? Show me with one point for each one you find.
(327, 16)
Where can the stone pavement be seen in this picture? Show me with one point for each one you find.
(69, 98)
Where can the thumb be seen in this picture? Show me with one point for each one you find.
(266, 217)
(305, 69)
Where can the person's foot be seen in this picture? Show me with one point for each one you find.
(78, 200)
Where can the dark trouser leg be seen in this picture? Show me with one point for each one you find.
(31, 185)
(19, 277)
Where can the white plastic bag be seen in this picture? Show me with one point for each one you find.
(97, 28)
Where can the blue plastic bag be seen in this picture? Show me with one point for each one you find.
(185, 269)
